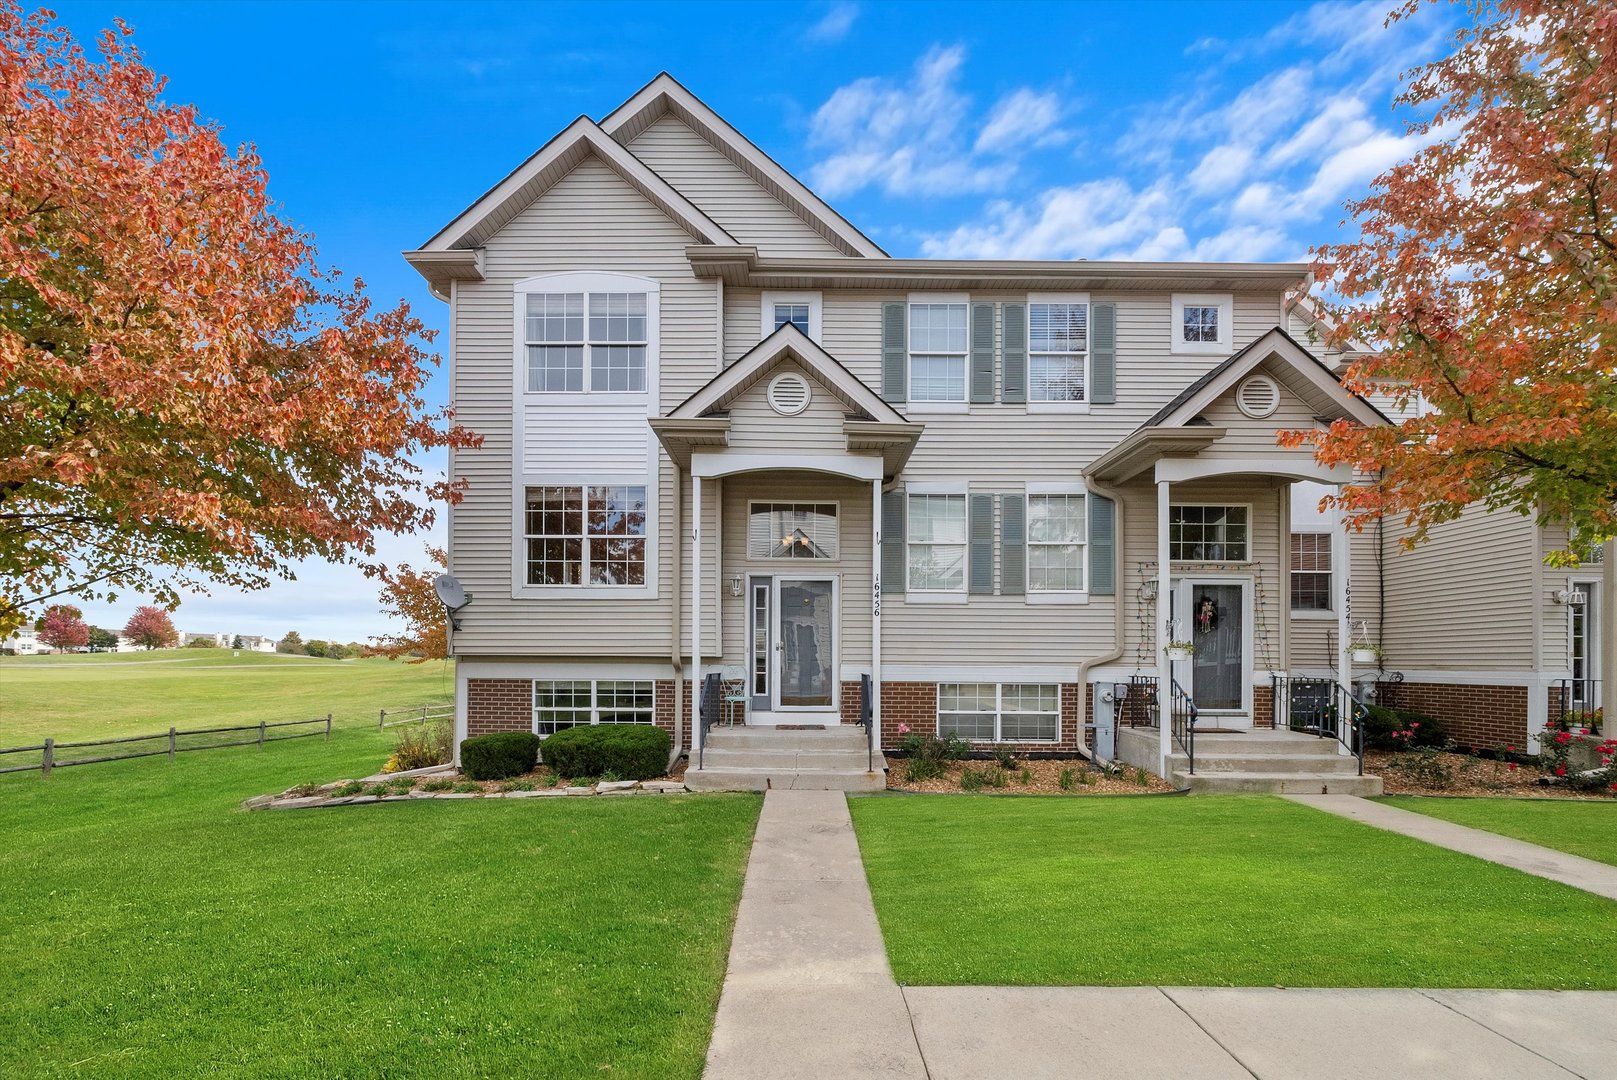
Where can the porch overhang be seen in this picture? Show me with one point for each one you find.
(1146, 447)
(682, 437)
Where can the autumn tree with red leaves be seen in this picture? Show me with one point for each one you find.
(408, 595)
(1486, 277)
(185, 396)
(63, 627)
(151, 628)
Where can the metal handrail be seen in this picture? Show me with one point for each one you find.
(1316, 707)
(1184, 718)
(708, 712)
(1578, 696)
(866, 716)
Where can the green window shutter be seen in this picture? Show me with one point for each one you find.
(892, 542)
(1014, 363)
(980, 578)
(1103, 354)
(1013, 544)
(895, 353)
(1102, 546)
(982, 352)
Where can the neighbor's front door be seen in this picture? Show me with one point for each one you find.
(1212, 613)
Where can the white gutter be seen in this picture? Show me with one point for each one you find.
(1119, 623)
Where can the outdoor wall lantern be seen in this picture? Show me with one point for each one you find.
(735, 584)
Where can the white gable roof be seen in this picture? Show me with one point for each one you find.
(664, 95)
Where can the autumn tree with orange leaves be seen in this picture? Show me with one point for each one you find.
(408, 595)
(1486, 277)
(185, 395)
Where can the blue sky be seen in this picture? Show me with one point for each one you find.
(1152, 131)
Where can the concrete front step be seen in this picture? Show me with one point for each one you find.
(1274, 783)
(711, 779)
(765, 738)
(723, 757)
(1283, 743)
(1331, 764)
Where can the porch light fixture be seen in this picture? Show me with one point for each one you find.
(735, 584)
(1148, 589)
(1575, 597)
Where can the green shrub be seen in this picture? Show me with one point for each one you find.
(1382, 724)
(419, 745)
(466, 787)
(1004, 757)
(1066, 780)
(630, 751)
(519, 785)
(440, 784)
(1025, 776)
(922, 768)
(353, 787)
(971, 780)
(497, 756)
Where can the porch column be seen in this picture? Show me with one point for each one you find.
(696, 611)
(1341, 589)
(1606, 612)
(1164, 631)
(875, 612)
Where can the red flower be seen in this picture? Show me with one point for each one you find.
(1511, 766)
(1414, 724)
(1510, 749)
(1560, 770)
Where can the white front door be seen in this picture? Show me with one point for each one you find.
(1586, 622)
(1216, 614)
(792, 650)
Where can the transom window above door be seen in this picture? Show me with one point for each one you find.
(586, 342)
(1199, 533)
(792, 531)
(937, 349)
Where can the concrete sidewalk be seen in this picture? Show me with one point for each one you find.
(1580, 873)
(809, 993)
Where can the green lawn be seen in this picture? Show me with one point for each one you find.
(1237, 891)
(1580, 828)
(113, 694)
(153, 929)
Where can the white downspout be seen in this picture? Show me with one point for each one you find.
(1164, 631)
(1341, 586)
(696, 613)
(676, 655)
(1119, 621)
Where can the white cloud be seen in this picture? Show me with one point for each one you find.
(834, 24)
(1021, 119)
(1221, 168)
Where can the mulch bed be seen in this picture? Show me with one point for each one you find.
(1044, 779)
(1473, 776)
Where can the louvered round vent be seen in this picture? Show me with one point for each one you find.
(788, 393)
(1258, 396)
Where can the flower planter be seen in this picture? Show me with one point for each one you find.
(1365, 656)
(1180, 652)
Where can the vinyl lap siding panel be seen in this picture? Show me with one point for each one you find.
(585, 440)
(757, 428)
(729, 196)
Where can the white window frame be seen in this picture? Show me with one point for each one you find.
(587, 283)
(999, 711)
(1034, 406)
(585, 537)
(937, 596)
(1225, 302)
(753, 504)
(814, 300)
(1067, 596)
(520, 587)
(1329, 610)
(594, 709)
(1251, 539)
(934, 405)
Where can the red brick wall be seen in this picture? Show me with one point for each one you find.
(1263, 706)
(849, 706)
(916, 704)
(1484, 716)
(507, 705)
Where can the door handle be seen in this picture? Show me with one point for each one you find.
(780, 646)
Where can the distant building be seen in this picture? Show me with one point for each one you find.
(257, 643)
(24, 642)
(218, 641)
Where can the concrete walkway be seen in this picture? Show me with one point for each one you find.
(1580, 873)
(809, 994)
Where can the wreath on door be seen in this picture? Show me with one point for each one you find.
(1206, 615)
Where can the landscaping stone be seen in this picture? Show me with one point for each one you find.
(579, 790)
(258, 802)
(663, 785)
(357, 799)
(611, 787)
(454, 795)
(293, 804)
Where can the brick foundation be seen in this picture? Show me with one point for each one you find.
(1263, 706)
(916, 705)
(1483, 716)
(507, 705)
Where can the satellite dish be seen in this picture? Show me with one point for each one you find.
(450, 592)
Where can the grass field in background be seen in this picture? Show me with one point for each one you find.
(154, 929)
(1207, 891)
(107, 695)
(1581, 828)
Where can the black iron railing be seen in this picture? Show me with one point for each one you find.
(1184, 714)
(1323, 708)
(1136, 702)
(1579, 704)
(712, 692)
(867, 709)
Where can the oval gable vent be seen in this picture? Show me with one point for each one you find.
(788, 393)
(1258, 396)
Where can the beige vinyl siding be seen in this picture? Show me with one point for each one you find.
(729, 196)
(1556, 647)
(1244, 435)
(743, 321)
(852, 567)
(1313, 635)
(589, 221)
(1464, 599)
(757, 428)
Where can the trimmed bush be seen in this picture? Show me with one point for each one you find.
(627, 751)
(497, 756)
(1380, 723)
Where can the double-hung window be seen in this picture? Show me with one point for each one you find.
(1057, 531)
(937, 351)
(565, 703)
(1311, 572)
(585, 534)
(1198, 533)
(1058, 350)
(1008, 712)
(937, 543)
(586, 342)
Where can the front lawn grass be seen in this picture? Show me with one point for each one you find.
(1232, 891)
(1581, 828)
(153, 929)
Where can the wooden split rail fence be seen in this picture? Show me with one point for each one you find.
(415, 714)
(50, 751)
